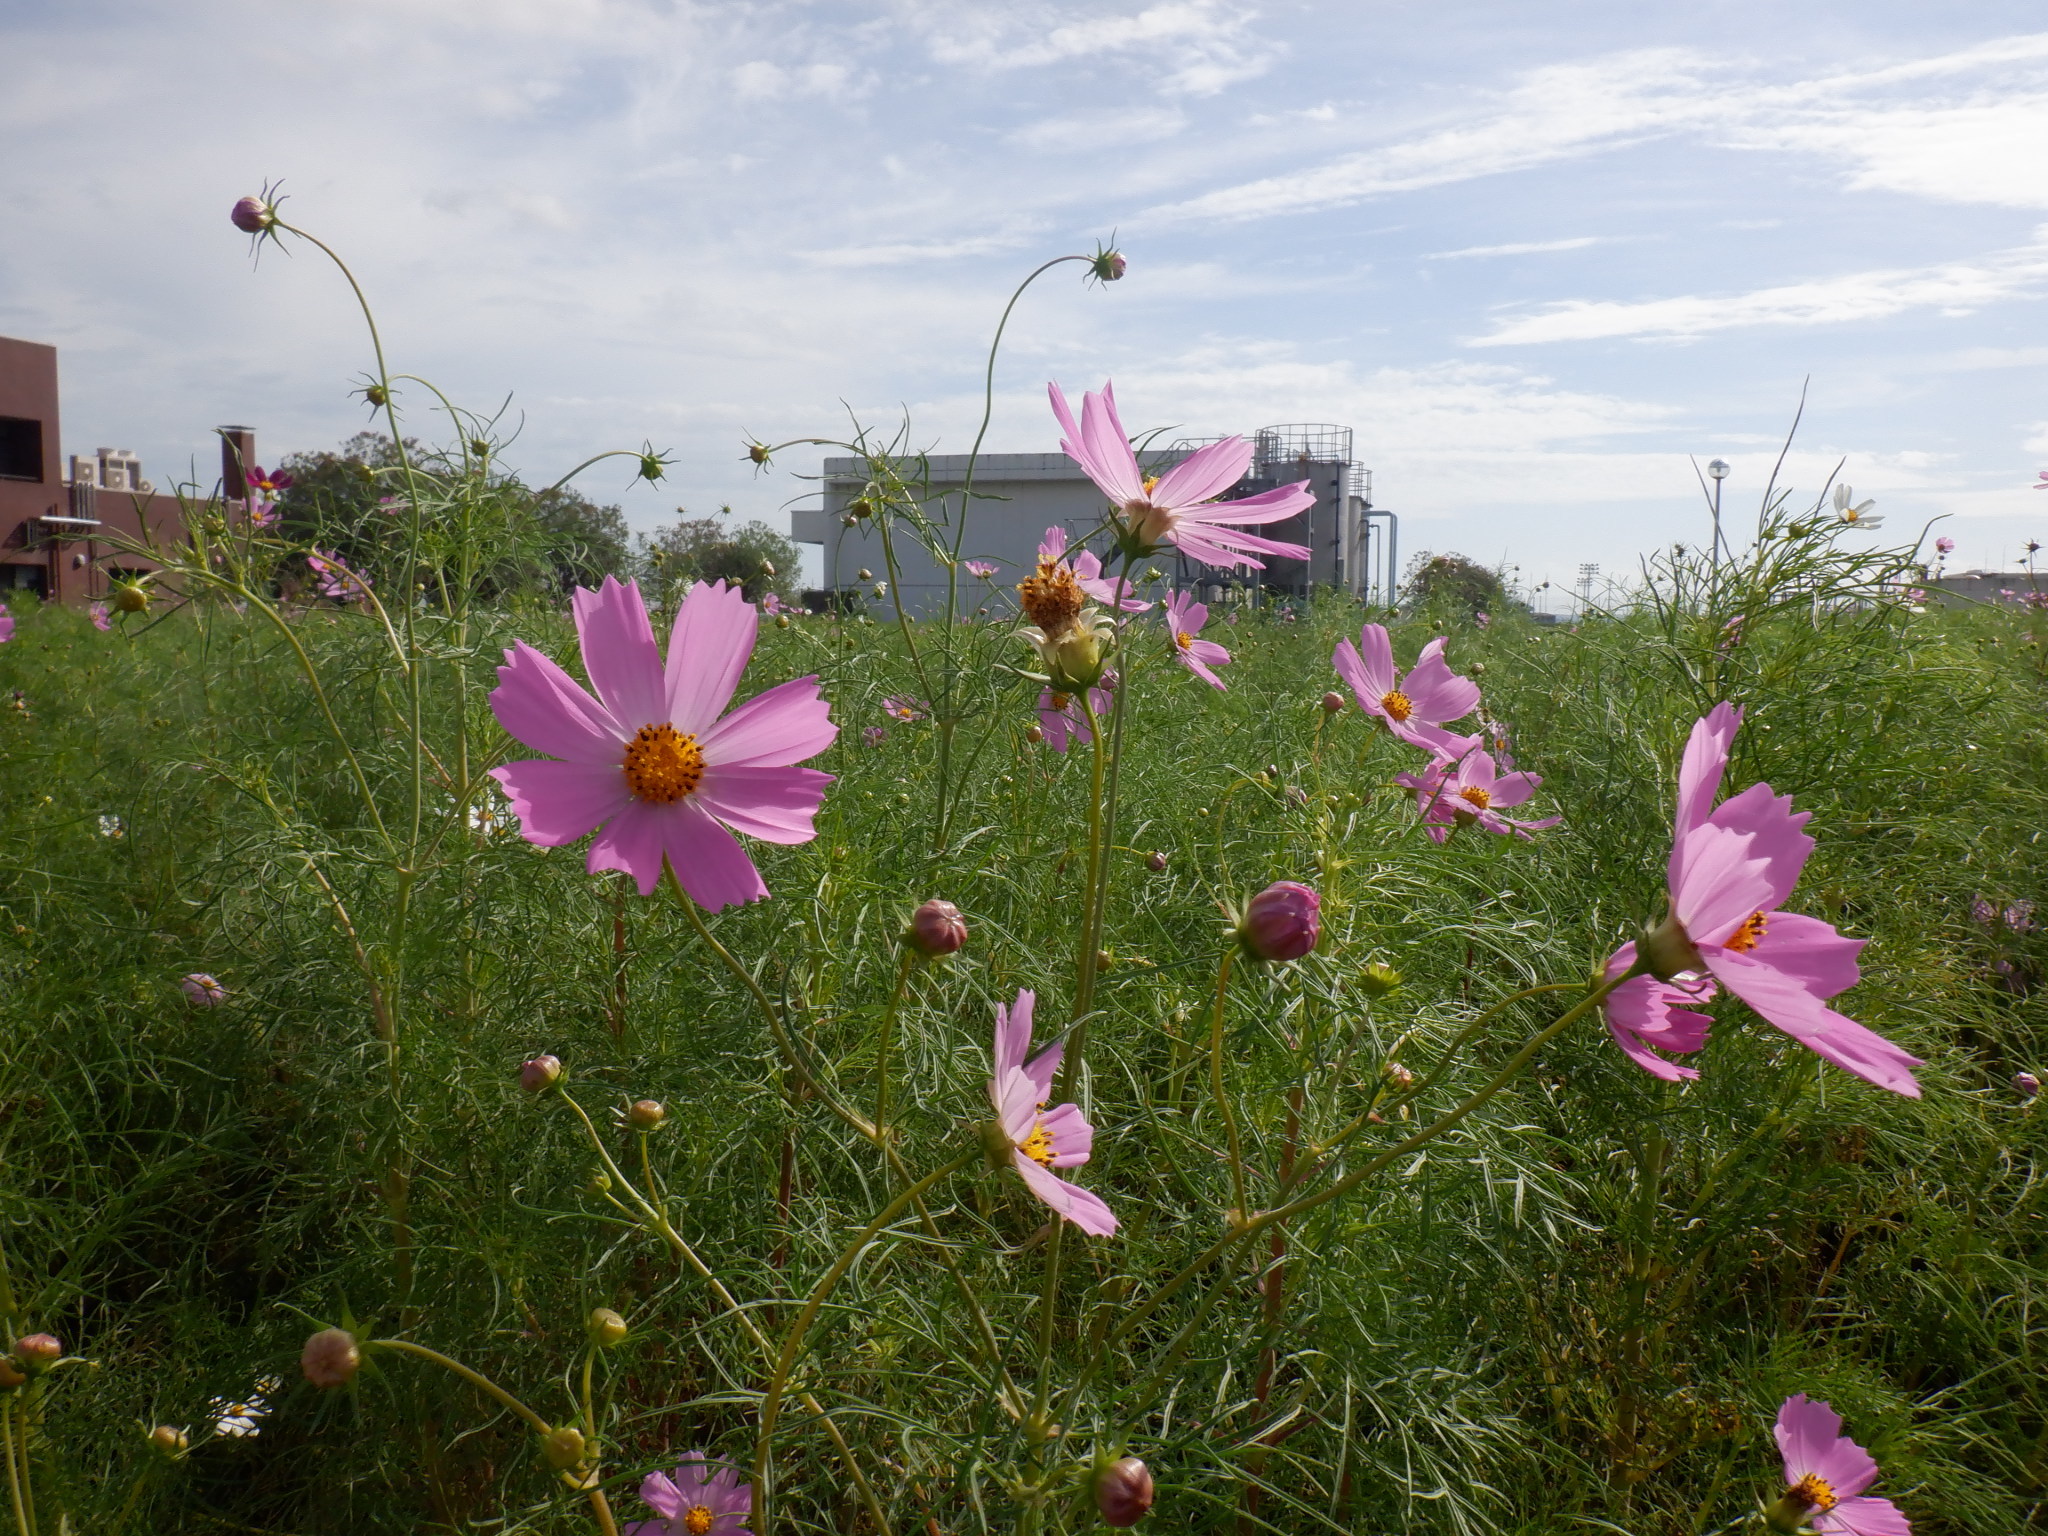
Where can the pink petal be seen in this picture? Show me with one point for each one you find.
(1108, 478)
(1811, 952)
(632, 842)
(1084, 1210)
(1805, 1431)
(1368, 666)
(1192, 524)
(1438, 694)
(1110, 446)
(557, 802)
(1013, 1032)
(1204, 473)
(774, 804)
(618, 652)
(1865, 1516)
(710, 866)
(707, 651)
(1052, 548)
(1706, 759)
(547, 709)
(1196, 546)
(785, 725)
(1787, 1003)
(661, 1496)
(1721, 883)
(1274, 506)
(1768, 818)
(1044, 1067)
(1016, 1097)
(1644, 1012)
(1072, 1137)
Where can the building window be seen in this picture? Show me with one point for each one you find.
(21, 449)
(20, 578)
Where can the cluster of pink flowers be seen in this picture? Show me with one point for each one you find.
(335, 579)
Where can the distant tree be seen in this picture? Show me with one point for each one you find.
(581, 541)
(691, 549)
(1452, 583)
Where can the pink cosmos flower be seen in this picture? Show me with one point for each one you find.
(1177, 507)
(267, 482)
(905, 711)
(1061, 718)
(982, 568)
(1184, 620)
(771, 605)
(393, 506)
(1483, 620)
(1646, 1016)
(1825, 1475)
(649, 759)
(1416, 707)
(336, 579)
(262, 514)
(2042, 483)
(1470, 790)
(202, 991)
(705, 1498)
(6, 625)
(1944, 546)
(1731, 867)
(1040, 1141)
(874, 735)
(101, 618)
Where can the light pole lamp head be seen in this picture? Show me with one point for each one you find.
(1718, 469)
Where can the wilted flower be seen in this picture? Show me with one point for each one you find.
(1471, 791)
(1040, 1141)
(1070, 637)
(937, 928)
(101, 618)
(330, 1358)
(1730, 867)
(1826, 1473)
(1176, 508)
(540, 1073)
(1416, 707)
(1282, 922)
(1123, 1492)
(982, 568)
(202, 991)
(649, 759)
(705, 1498)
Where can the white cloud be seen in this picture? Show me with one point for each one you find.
(909, 252)
(1954, 288)
(1522, 248)
(1101, 131)
(1203, 45)
(759, 80)
(2038, 443)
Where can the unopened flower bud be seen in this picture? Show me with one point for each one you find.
(562, 1448)
(782, 621)
(1332, 702)
(937, 928)
(252, 215)
(540, 1074)
(1282, 922)
(606, 1327)
(1123, 1492)
(767, 568)
(598, 1183)
(1107, 267)
(131, 597)
(1034, 734)
(863, 574)
(169, 1439)
(1377, 980)
(881, 590)
(1398, 1077)
(1156, 863)
(2025, 1084)
(37, 1352)
(758, 452)
(645, 1115)
(330, 1358)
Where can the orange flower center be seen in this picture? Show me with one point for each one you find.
(697, 1519)
(1184, 640)
(1480, 798)
(1051, 599)
(1745, 937)
(662, 766)
(1038, 1145)
(1396, 705)
(1060, 701)
(1815, 1491)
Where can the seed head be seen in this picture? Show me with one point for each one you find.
(330, 1358)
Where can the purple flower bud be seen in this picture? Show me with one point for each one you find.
(1282, 922)
(2025, 1084)
(37, 1352)
(252, 215)
(1123, 1492)
(1156, 863)
(645, 1115)
(330, 1358)
(540, 1074)
(1332, 702)
(937, 928)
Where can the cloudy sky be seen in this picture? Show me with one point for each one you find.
(1535, 256)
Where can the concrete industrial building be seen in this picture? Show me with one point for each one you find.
(1018, 496)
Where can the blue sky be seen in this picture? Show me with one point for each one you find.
(1534, 256)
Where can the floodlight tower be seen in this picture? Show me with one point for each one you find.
(1718, 469)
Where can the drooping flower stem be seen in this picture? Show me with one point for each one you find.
(1216, 1085)
(792, 1344)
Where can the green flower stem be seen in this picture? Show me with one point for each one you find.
(792, 1346)
(22, 1525)
(1242, 1208)
(888, 1034)
(1085, 960)
(477, 1379)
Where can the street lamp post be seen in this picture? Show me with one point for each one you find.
(1718, 469)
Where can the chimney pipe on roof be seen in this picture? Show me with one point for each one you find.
(237, 457)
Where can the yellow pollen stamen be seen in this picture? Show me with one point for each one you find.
(697, 1519)
(1060, 701)
(663, 766)
(1150, 481)
(1184, 640)
(1481, 798)
(1396, 705)
(1747, 934)
(1038, 1145)
(1815, 1491)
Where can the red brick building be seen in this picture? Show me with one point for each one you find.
(58, 523)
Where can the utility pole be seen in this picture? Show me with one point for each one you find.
(1587, 572)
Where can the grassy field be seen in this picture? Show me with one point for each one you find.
(1578, 1309)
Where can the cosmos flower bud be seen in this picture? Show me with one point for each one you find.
(937, 928)
(131, 597)
(1034, 734)
(169, 1439)
(1282, 922)
(330, 1358)
(540, 1074)
(1123, 1492)
(758, 452)
(606, 1327)
(645, 1115)
(1398, 1077)
(863, 574)
(1106, 266)
(37, 1352)
(252, 215)
(1156, 863)
(562, 1448)
(2025, 1084)
(1076, 660)
(1332, 702)
(1378, 979)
